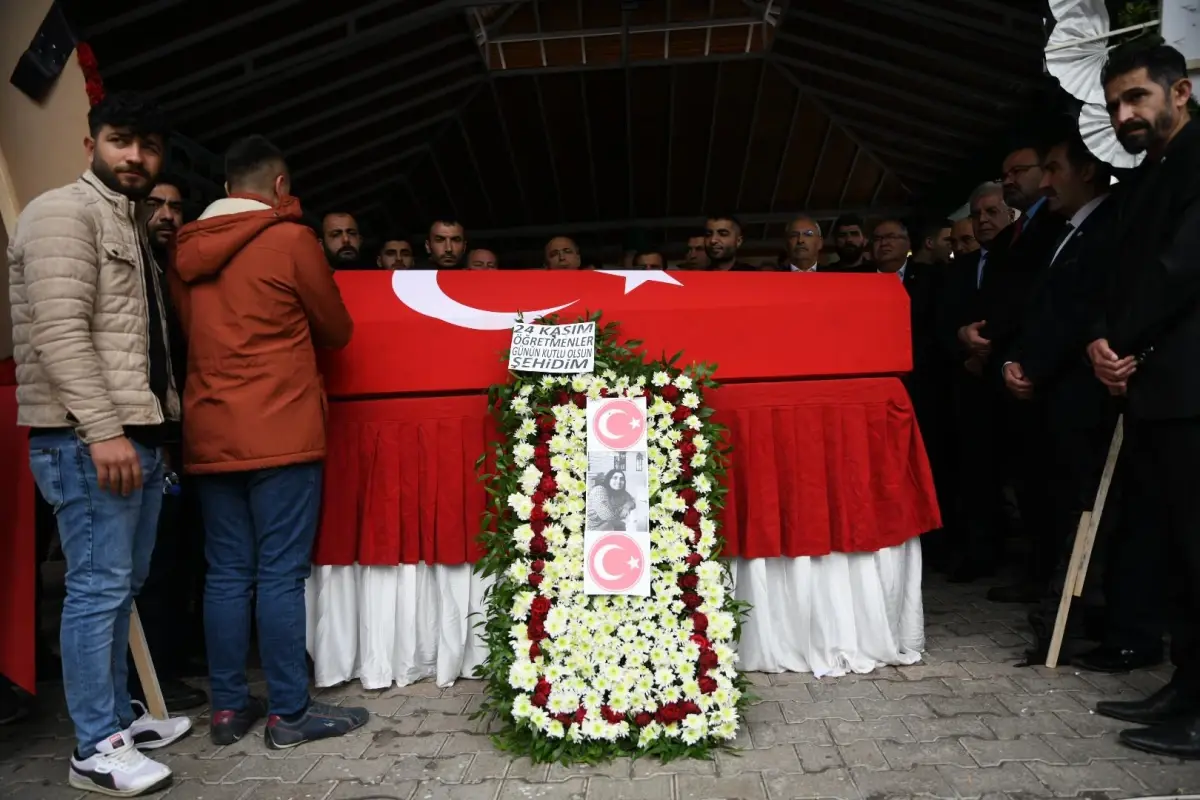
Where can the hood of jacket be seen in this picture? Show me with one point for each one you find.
(204, 247)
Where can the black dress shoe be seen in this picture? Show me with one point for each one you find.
(1168, 704)
(1020, 593)
(1179, 739)
(1117, 659)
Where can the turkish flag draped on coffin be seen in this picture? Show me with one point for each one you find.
(827, 452)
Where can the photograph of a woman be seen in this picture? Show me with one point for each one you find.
(617, 500)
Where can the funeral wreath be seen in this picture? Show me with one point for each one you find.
(579, 678)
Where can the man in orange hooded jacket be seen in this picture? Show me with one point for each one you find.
(255, 298)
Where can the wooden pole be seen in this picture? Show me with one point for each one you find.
(145, 666)
(1085, 541)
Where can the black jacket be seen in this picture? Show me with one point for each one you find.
(1151, 305)
(1052, 344)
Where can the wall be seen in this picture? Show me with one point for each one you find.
(41, 146)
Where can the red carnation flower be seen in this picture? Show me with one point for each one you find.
(689, 495)
(565, 719)
(534, 650)
(542, 451)
(538, 514)
(699, 622)
(536, 578)
(686, 448)
(548, 485)
(689, 434)
(541, 606)
(562, 398)
(537, 545)
(708, 659)
(690, 707)
(610, 716)
(699, 639)
(542, 686)
(540, 700)
(681, 413)
(538, 525)
(580, 714)
(691, 518)
(537, 499)
(538, 566)
(543, 464)
(536, 630)
(547, 423)
(694, 559)
(643, 719)
(646, 393)
(686, 470)
(688, 582)
(691, 599)
(669, 393)
(580, 400)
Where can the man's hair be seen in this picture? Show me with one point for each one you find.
(1164, 64)
(253, 162)
(172, 179)
(737, 223)
(449, 219)
(1080, 157)
(810, 218)
(641, 253)
(929, 229)
(386, 239)
(132, 111)
(983, 190)
(891, 221)
(847, 221)
(1038, 144)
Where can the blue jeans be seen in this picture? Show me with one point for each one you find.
(107, 541)
(259, 528)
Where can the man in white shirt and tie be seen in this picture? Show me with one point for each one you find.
(804, 243)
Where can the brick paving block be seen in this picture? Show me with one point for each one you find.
(972, 687)
(1034, 684)
(839, 689)
(195, 790)
(486, 766)
(1035, 703)
(917, 781)
(452, 723)
(763, 712)
(758, 678)
(769, 734)
(1103, 682)
(460, 743)
(381, 703)
(1009, 639)
(1099, 776)
(864, 753)
(832, 783)
(419, 768)
(971, 782)
(918, 672)
(898, 690)
(969, 640)
(426, 688)
(288, 770)
(796, 691)
(943, 751)
(1087, 723)
(349, 790)
(391, 743)
(819, 757)
(792, 678)
(930, 730)
(435, 790)
(524, 769)
(252, 744)
(433, 705)
(747, 786)
(1179, 777)
(617, 769)
(888, 728)
(1077, 751)
(274, 790)
(1145, 681)
(656, 788)
(976, 625)
(207, 770)
(465, 686)
(994, 753)
(973, 705)
(1026, 725)
(574, 789)
(823, 709)
(1005, 668)
(34, 770)
(956, 655)
(338, 768)
(868, 708)
(650, 767)
(780, 758)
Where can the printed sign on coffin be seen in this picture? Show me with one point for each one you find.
(617, 536)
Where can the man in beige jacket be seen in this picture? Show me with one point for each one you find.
(95, 389)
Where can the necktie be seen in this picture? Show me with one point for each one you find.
(1019, 226)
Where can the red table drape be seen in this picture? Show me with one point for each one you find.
(18, 621)
(819, 466)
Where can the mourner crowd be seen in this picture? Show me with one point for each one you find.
(1063, 302)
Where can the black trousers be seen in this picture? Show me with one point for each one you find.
(1028, 457)
(979, 506)
(1164, 462)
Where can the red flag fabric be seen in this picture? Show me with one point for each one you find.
(18, 622)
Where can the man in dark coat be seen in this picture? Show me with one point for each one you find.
(1146, 348)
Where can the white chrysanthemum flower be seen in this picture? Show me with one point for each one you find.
(523, 453)
(699, 460)
(526, 429)
(580, 383)
(701, 443)
(683, 382)
(702, 505)
(523, 675)
(702, 484)
(522, 707)
(520, 405)
(555, 729)
(521, 505)
(660, 379)
(691, 400)
(693, 422)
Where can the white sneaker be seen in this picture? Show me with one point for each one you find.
(118, 769)
(149, 733)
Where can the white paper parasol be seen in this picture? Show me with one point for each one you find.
(1099, 136)
(1078, 47)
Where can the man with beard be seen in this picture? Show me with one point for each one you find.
(341, 239)
(395, 254)
(962, 237)
(850, 245)
(95, 388)
(722, 238)
(1145, 348)
(176, 568)
(447, 244)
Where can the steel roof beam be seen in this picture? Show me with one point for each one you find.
(129, 17)
(632, 30)
(487, 196)
(786, 147)
(715, 58)
(712, 132)
(371, 169)
(965, 26)
(762, 78)
(512, 156)
(342, 155)
(587, 121)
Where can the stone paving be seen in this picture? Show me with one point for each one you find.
(965, 723)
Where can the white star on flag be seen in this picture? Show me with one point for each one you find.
(633, 563)
(635, 278)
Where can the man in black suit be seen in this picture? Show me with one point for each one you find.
(1146, 348)
(979, 505)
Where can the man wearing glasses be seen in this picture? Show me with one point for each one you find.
(804, 242)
